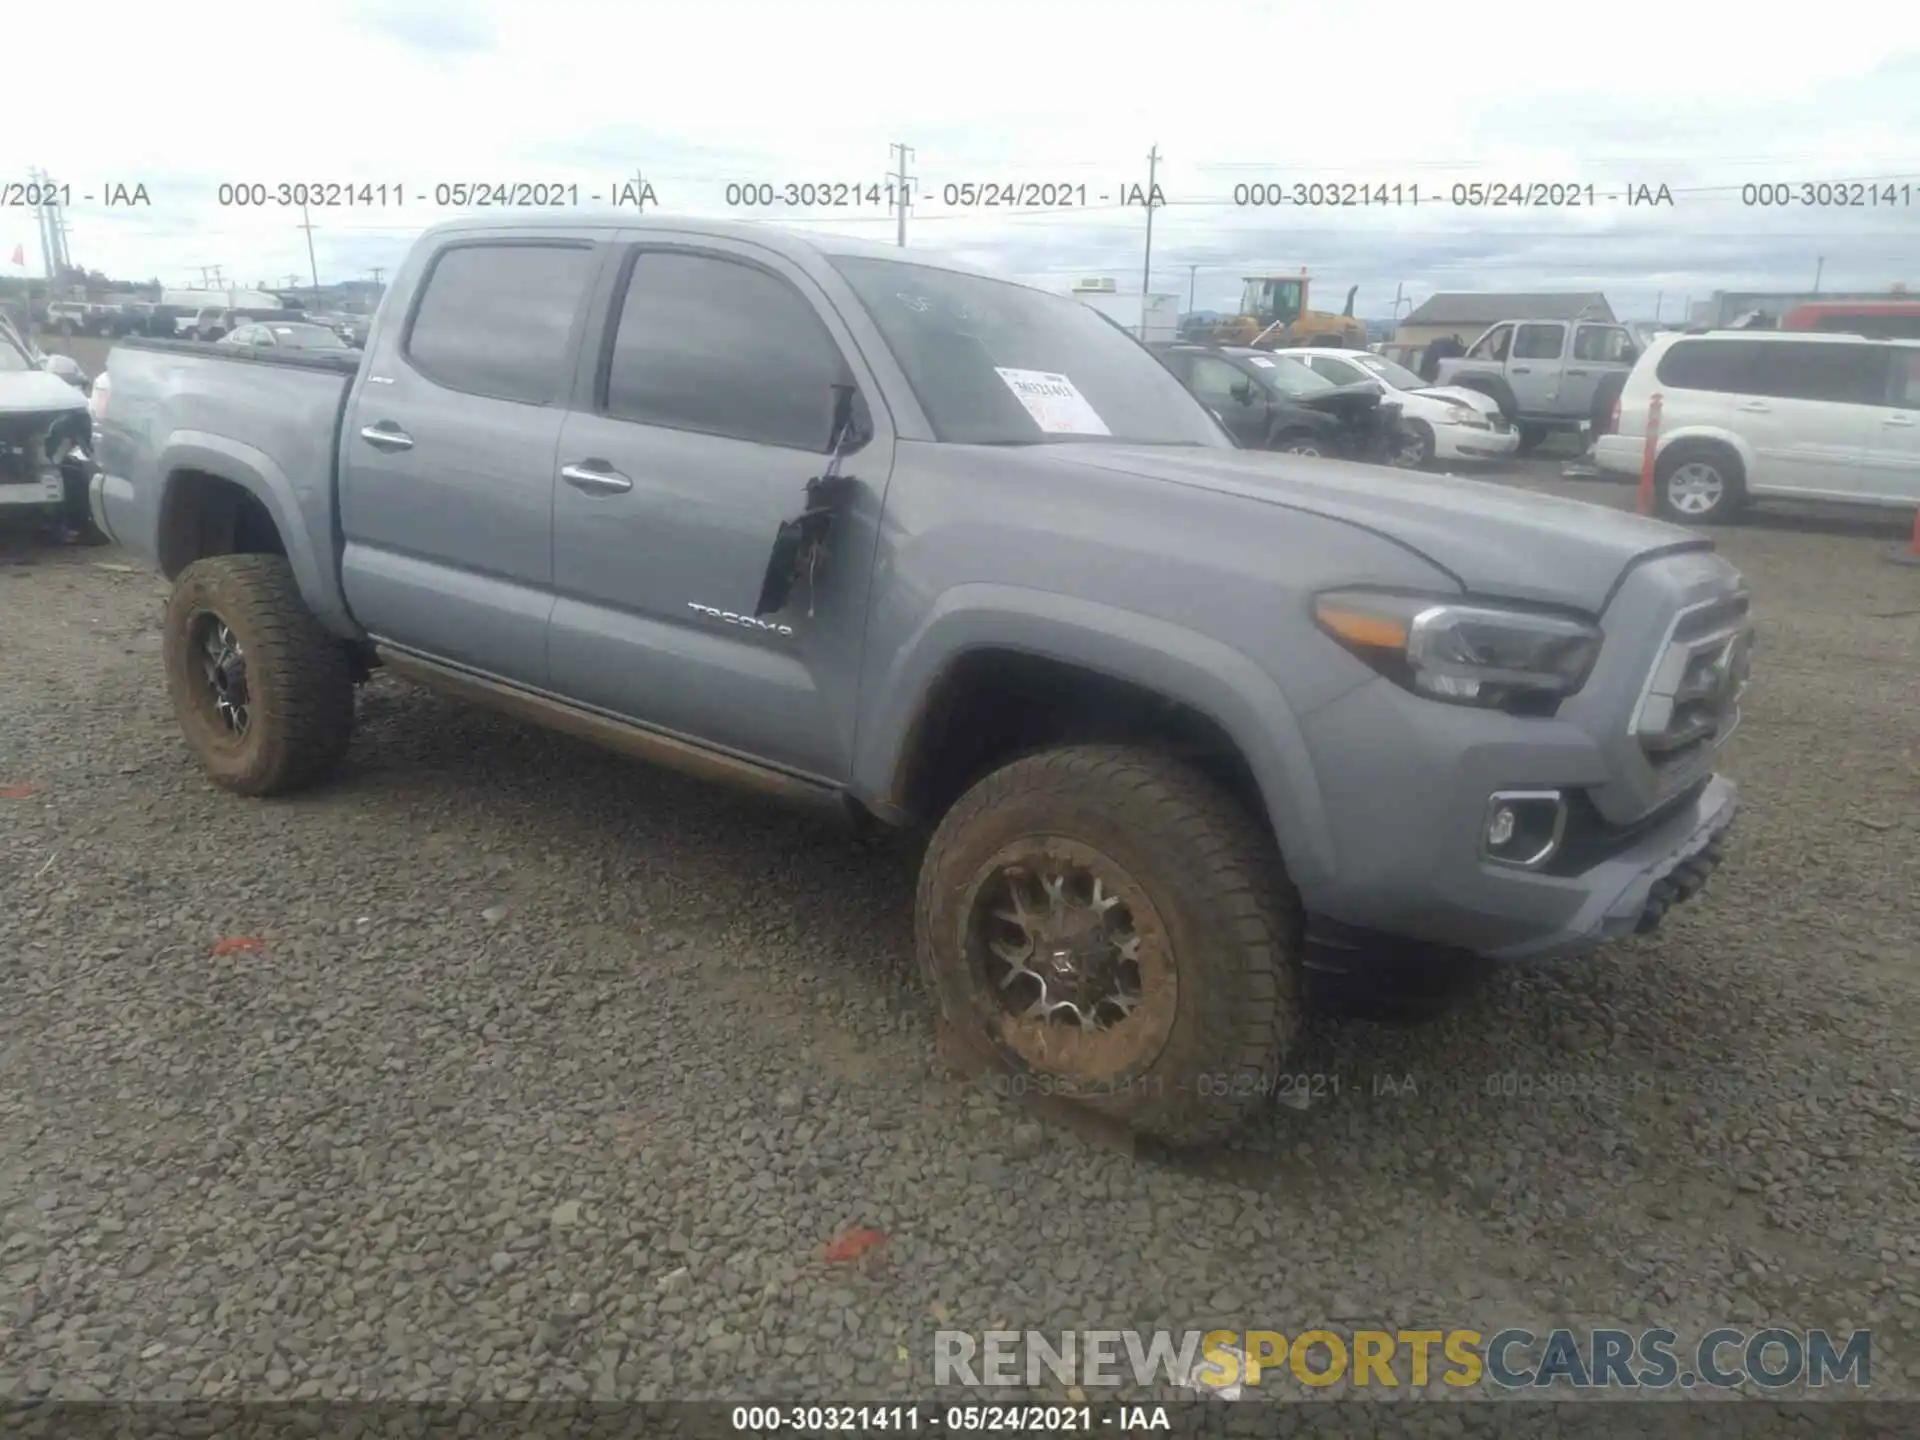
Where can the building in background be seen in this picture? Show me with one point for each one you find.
(1153, 318)
(1728, 306)
(1467, 313)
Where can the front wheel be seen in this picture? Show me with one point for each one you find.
(1297, 442)
(1413, 446)
(1697, 485)
(263, 695)
(1113, 929)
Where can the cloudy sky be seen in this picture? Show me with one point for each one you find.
(418, 93)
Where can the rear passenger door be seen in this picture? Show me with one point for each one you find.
(1598, 351)
(1892, 469)
(1534, 368)
(447, 456)
(1820, 403)
(708, 409)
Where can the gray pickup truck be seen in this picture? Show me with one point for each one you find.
(880, 532)
(1548, 375)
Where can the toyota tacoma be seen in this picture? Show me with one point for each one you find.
(884, 533)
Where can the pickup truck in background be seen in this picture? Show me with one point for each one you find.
(1548, 375)
(931, 549)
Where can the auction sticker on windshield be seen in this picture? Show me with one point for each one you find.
(1055, 404)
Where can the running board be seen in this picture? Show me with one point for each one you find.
(608, 733)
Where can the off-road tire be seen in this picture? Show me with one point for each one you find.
(1214, 874)
(299, 683)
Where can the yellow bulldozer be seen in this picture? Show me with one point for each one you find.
(1274, 313)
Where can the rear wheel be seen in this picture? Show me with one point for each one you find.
(1111, 928)
(263, 695)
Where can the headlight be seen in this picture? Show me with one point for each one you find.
(1461, 415)
(1496, 658)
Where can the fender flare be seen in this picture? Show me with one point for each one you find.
(1218, 681)
(257, 473)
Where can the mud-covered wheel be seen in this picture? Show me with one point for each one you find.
(264, 696)
(1111, 928)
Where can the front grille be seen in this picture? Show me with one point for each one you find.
(1691, 702)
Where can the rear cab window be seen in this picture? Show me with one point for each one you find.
(498, 318)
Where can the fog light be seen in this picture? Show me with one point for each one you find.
(1523, 827)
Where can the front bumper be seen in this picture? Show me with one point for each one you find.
(1454, 442)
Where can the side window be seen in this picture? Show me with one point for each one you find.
(1712, 365)
(1214, 380)
(497, 320)
(1493, 344)
(1602, 344)
(1843, 374)
(1539, 342)
(723, 348)
(1903, 387)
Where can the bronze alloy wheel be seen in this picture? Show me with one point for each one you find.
(1075, 958)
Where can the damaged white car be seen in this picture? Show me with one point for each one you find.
(46, 439)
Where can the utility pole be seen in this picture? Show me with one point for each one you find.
(378, 271)
(292, 280)
(313, 265)
(640, 192)
(900, 182)
(1146, 264)
(1819, 265)
(1193, 272)
(1659, 300)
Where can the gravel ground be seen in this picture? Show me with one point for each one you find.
(553, 1075)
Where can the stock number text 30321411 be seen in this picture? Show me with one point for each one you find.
(826, 194)
(324, 194)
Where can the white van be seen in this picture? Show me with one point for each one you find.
(1755, 414)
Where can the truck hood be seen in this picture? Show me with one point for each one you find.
(25, 392)
(1494, 540)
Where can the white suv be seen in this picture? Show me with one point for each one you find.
(1759, 414)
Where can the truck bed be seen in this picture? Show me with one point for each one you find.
(271, 421)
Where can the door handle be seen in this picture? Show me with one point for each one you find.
(387, 436)
(1754, 407)
(1522, 370)
(1579, 372)
(595, 479)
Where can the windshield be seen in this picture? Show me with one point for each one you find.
(1393, 373)
(1289, 376)
(12, 357)
(995, 363)
(1271, 300)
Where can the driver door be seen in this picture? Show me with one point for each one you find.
(1233, 396)
(1534, 369)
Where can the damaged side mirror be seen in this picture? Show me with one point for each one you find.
(800, 544)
